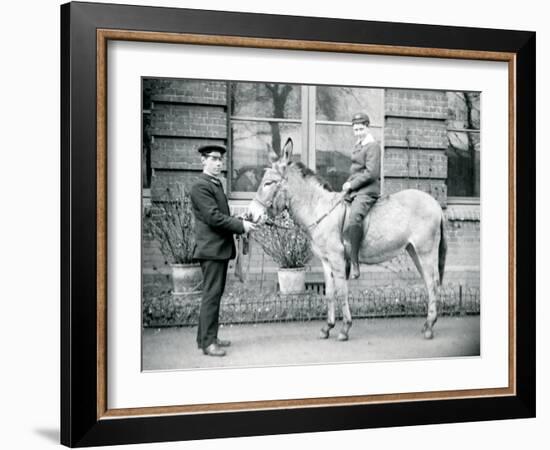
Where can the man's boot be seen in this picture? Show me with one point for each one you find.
(355, 234)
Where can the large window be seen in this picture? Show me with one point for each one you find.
(463, 151)
(317, 118)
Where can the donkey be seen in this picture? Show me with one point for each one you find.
(409, 219)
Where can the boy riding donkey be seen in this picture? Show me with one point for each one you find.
(362, 188)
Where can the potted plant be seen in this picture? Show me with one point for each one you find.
(171, 222)
(289, 246)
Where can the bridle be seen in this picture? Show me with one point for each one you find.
(268, 204)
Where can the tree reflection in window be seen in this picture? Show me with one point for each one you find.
(463, 151)
(252, 142)
(262, 114)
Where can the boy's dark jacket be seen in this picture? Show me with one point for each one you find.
(365, 169)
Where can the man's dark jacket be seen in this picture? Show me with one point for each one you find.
(214, 227)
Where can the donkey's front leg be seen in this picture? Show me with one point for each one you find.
(341, 288)
(329, 293)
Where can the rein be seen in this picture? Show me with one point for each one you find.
(320, 219)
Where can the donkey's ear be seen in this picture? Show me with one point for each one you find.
(271, 154)
(287, 150)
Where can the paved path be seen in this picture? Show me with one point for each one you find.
(276, 344)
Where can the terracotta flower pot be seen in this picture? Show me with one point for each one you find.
(186, 278)
(292, 281)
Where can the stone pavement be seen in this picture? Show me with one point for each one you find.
(297, 343)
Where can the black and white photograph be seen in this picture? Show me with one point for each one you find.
(296, 224)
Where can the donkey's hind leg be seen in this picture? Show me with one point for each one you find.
(426, 264)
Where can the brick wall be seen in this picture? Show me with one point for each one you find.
(185, 114)
(415, 141)
(199, 92)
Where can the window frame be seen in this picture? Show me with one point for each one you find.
(308, 121)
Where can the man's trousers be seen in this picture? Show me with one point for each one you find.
(214, 273)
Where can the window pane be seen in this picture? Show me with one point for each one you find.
(333, 147)
(269, 100)
(339, 104)
(250, 152)
(463, 164)
(464, 110)
(463, 147)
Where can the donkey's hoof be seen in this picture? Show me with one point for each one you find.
(428, 333)
(323, 333)
(342, 336)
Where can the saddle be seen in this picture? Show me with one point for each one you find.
(366, 222)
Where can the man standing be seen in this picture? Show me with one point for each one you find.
(363, 184)
(214, 229)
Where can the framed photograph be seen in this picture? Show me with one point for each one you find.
(284, 133)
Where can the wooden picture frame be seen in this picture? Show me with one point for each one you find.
(86, 418)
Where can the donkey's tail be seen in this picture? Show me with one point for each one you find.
(442, 249)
